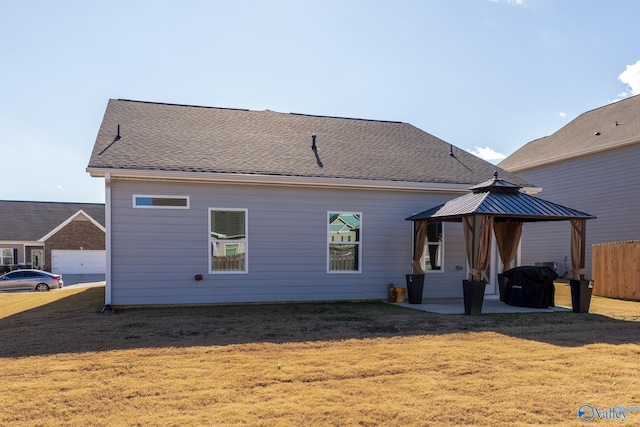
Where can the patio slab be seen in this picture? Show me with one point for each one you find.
(489, 306)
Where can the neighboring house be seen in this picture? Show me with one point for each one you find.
(590, 164)
(215, 205)
(65, 238)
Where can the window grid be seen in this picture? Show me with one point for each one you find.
(6, 257)
(344, 244)
(433, 257)
(144, 201)
(228, 241)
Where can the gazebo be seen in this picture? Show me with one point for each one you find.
(499, 206)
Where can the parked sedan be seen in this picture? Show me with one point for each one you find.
(34, 280)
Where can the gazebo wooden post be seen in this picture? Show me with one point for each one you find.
(578, 247)
(473, 255)
(583, 250)
(469, 224)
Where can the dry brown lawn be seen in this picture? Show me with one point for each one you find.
(62, 363)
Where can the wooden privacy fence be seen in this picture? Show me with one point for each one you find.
(345, 262)
(228, 263)
(616, 269)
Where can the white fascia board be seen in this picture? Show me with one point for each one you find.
(20, 242)
(67, 221)
(239, 178)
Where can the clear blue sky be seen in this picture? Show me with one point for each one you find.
(490, 74)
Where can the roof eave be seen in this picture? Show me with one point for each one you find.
(21, 242)
(523, 218)
(261, 179)
(581, 153)
(539, 218)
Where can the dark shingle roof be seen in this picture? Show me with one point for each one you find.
(30, 221)
(168, 137)
(603, 128)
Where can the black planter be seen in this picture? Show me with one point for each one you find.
(581, 295)
(415, 286)
(473, 292)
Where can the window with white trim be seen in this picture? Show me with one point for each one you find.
(160, 202)
(227, 240)
(6, 256)
(344, 254)
(433, 258)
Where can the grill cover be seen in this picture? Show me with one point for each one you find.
(529, 286)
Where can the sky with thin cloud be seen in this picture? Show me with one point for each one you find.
(631, 77)
(487, 76)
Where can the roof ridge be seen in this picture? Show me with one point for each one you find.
(605, 106)
(256, 111)
(182, 105)
(345, 118)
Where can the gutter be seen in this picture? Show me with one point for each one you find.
(107, 309)
(291, 181)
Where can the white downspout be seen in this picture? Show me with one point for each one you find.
(107, 243)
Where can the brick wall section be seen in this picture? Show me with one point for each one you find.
(79, 233)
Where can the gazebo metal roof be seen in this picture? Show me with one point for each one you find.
(502, 200)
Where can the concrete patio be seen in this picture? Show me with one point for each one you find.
(489, 306)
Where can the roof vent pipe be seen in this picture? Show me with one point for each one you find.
(116, 138)
(313, 142)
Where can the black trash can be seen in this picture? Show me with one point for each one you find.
(581, 295)
(415, 286)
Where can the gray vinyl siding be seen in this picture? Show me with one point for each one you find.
(604, 185)
(157, 252)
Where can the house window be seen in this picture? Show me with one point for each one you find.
(6, 256)
(434, 247)
(228, 240)
(160, 202)
(344, 254)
